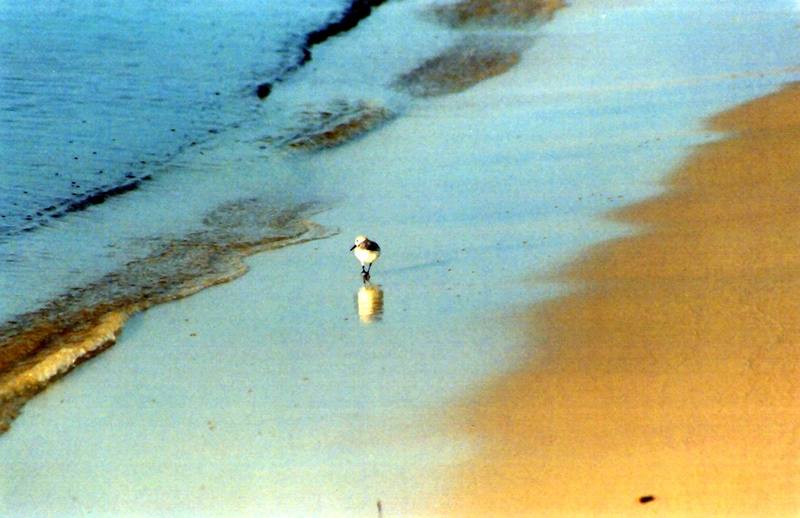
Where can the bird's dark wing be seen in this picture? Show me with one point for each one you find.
(372, 246)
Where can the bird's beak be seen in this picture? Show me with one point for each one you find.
(352, 247)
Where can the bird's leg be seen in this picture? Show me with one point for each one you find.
(369, 268)
(365, 277)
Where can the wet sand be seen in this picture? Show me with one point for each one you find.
(462, 66)
(332, 126)
(494, 12)
(476, 57)
(669, 380)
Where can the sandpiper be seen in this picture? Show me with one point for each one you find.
(367, 252)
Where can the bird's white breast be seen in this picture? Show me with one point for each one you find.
(366, 256)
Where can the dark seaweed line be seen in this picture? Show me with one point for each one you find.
(100, 195)
(357, 11)
(82, 202)
(40, 217)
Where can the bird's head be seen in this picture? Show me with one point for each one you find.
(358, 241)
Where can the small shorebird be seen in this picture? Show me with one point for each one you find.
(367, 252)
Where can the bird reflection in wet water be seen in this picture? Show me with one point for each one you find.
(369, 303)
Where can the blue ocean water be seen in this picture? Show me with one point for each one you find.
(97, 98)
(91, 90)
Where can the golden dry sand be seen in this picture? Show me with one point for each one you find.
(673, 371)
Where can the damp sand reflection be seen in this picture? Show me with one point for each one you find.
(369, 303)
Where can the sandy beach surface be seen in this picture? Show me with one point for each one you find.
(468, 379)
(671, 377)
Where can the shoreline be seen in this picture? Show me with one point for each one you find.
(671, 376)
(39, 348)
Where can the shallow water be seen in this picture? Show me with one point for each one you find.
(83, 219)
(94, 107)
